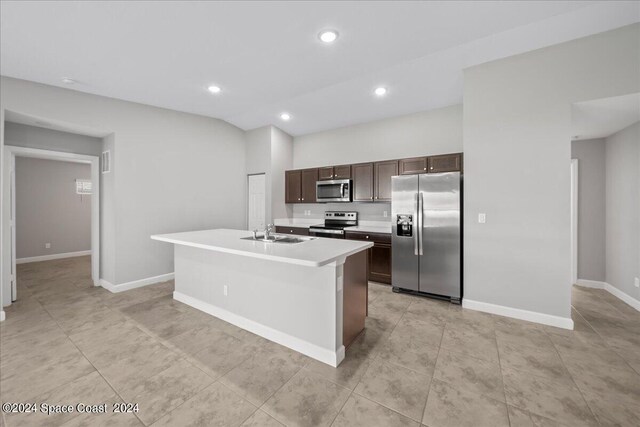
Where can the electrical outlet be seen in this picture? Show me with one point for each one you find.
(385, 214)
(482, 218)
(226, 290)
(636, 282)
(47, 245)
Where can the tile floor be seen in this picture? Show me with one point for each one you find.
(418, 362)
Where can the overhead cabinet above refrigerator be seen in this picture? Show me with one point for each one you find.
(426, 238)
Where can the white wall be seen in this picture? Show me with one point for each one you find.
(429, 132)
(258, 160)
(591, 208)
(172, 170)
(281, 160)
(48, 210)
(48, 139)
(623, 209)
(517, 133)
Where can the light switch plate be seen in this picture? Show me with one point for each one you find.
(482, 218)
(47, 245)
(636, 282)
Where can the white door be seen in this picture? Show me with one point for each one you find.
(256, 205)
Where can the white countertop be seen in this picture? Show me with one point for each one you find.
(312, 253)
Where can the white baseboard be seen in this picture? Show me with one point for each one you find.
(2, 316)
(633, 302)
(136, 283)
(324, 355)
(52, 256)
(516, 313)
(591, 284)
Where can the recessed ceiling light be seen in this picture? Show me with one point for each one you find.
(328, 36)
(380, 91)
(285, 116)
(214, 89)
(68, 81)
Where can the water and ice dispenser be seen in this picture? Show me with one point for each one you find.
(404, 225)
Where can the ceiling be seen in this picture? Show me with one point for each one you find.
(267, 58)
(601, 118)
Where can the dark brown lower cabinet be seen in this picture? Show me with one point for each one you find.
(379, 255)
(380, 263)
(300, 231)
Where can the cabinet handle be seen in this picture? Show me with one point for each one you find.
(367, 237)
(303, 198)
(431, 167)
(298, 198)
(290, 231)
(426, 168)
(372, 198)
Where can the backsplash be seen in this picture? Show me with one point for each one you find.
(366, 211)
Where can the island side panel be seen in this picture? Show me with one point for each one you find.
(293, 305)
(355, 296)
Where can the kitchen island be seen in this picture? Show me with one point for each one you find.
(309, 296)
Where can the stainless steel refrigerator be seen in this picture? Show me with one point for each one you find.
(427, 234)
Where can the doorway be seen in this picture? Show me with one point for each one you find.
(10, 155)
(256, 202)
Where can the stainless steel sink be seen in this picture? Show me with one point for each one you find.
(280, 238)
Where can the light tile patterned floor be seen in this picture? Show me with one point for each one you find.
(419, 362)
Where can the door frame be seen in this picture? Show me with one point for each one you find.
(574, 221)
(249, 175)
(10, 153)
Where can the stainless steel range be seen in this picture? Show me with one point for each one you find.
(334, 224)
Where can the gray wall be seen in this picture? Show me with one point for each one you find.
(48, 139)
(281, 160)
(591, 208)
(430, 132)
(48, 210)
(517, 133)
(623, 209)
(258, 160)
(171, 171)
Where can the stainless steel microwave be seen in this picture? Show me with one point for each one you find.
(337, 190)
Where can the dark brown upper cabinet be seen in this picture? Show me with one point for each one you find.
(293, 186)
(412, 166)
(362, 175)
(325, 173)
(383, 171)
(445, 163)
(308, 185)
(342, 172)
(334, 172)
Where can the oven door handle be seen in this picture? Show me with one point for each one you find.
(320, 230)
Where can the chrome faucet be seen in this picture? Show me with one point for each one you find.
(267, 231)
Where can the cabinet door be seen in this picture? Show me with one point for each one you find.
(445, 163)
(309, 179)
(413, 166)
(383, 173)
(300, 231)
(342, 172)
(362, 182)
(380, 263)
(325, 173)
(292, 187)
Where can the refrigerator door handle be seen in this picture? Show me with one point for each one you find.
(416, 233)
(420, 223)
